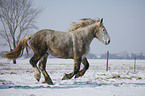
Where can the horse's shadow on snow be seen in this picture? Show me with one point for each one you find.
(56, 86)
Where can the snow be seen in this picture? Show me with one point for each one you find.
(121, 80)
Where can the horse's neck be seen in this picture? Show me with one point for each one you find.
(88, 33)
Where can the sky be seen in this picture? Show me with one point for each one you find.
(123, 19)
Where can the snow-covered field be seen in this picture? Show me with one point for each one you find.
(120, 80)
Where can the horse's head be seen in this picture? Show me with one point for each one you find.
(101, 33)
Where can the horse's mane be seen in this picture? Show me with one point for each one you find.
(83, 23)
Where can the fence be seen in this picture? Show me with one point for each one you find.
(95, 64)
(132, 63)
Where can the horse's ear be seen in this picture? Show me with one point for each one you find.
(101, 20)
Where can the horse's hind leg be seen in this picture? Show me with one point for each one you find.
(86, 66)
(42, 67)
(33, 61)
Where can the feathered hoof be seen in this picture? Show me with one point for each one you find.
(65, 77)
(77, 76)
(37, 77)
(48, 82)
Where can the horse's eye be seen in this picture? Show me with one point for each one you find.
(103, 29)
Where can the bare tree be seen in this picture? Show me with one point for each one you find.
(16, 17)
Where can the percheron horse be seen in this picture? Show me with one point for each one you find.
(74, 44)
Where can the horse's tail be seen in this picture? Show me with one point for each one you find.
(18, 51)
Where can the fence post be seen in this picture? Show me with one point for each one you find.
(134, 64)
(107, 61)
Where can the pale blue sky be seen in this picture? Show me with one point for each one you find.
(123, 19)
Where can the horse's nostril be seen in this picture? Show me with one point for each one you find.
(108, 41)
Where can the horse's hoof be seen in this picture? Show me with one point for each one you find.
(43, 82)
(77, 76)
(37, 74)
(65, 77)
(49, 83)
(38, 80)
(37, 77)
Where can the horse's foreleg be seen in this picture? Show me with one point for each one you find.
(86, 66)
(42, 66)
(33, 61)
(77, 63)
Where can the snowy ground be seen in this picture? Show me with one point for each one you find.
(120, 80)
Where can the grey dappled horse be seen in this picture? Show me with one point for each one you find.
(74, 44)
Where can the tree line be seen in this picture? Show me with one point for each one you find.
(123, 55)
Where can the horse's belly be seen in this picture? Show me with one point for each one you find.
(61, 53)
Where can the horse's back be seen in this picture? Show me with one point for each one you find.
(58, 44)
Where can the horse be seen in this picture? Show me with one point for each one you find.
(74, 44)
